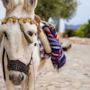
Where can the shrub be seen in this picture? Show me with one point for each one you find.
(69, 33)
(83, 31)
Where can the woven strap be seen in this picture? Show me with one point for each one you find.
(18, 66)
(57, 55)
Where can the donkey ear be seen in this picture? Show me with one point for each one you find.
(30, 5)
(5, 2)
(33, 3)
(8, 4)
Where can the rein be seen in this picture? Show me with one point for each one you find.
(3, 64)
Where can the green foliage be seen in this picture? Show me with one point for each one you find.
(56, 8)
(69, 33)
(84, 31)
(81, 31)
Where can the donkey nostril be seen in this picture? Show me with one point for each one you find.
(16, 80)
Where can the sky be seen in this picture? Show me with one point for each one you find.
(82, 14)
(2, 10)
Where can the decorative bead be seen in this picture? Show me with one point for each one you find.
(24, 21)
(10, 20)
(20, 20)
(14, 20)
(4, 21)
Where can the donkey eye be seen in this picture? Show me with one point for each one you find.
(31, 1)
(30, 33)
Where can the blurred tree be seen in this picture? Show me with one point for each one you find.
(56, 8)
(69, 33)
(81, 31)
(84, 30)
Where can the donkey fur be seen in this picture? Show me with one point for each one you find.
(22, 8)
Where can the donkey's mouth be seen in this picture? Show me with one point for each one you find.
(16, 78)
(18, 71)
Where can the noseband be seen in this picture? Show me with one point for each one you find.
(18, 66)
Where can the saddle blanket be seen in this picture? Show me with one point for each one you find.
(57, 55)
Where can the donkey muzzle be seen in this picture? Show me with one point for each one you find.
(16, 79)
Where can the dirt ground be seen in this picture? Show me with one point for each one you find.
(75, 75)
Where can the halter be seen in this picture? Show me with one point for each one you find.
(23, 20)
(17, 65)
(14, 20)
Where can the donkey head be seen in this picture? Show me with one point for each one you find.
(19, 39)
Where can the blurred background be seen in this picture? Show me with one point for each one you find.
(72, 21)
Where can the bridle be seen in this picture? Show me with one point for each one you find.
(15, 19)
(17, 65)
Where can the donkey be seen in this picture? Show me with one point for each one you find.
(19, 49)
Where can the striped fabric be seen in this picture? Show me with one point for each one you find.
(57, 56)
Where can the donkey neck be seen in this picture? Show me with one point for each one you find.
(20, 12)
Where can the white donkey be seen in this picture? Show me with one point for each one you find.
(19, 46)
